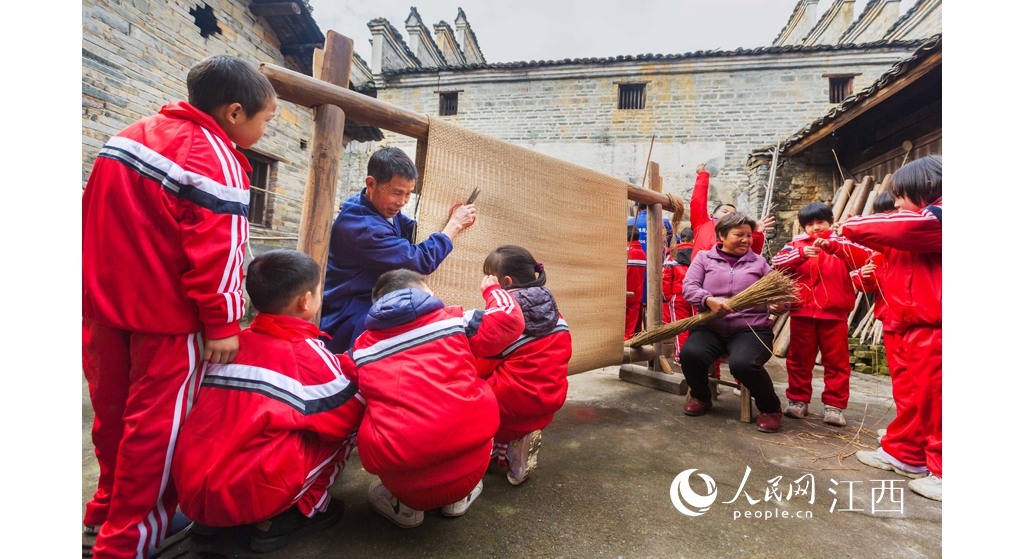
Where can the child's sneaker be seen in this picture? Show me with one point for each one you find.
(834, 416)
(391, 508)
(796, 409)
(284, 528)
(89, 534)
(460, 507)
(522, 457)
(879, 459)
(928, 487)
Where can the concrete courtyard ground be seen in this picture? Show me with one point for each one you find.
(602, 488)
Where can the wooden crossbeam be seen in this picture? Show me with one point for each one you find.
(276, 9)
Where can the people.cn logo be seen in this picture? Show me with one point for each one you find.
(682, 495)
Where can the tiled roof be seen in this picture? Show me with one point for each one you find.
(789, 22)
(929, 46)
(910, 13)
(397, 36)
(825, 20)
(760, 51)
(296, 29)
(867, 9)
(469, 28)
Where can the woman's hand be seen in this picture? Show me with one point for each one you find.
(718, 305)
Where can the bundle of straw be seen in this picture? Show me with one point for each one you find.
(774, 287)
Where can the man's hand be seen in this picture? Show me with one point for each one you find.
(702, 168)
(766, 225)
(462, 217)
(487, 282)
(222, 351)
(718, 305)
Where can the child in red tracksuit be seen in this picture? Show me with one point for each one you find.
(430, 420)
(636, 268)
(866, 280)
(271, 431)
(675, 306)
(529, 376)
(163, 238)
(911, 283)
(821, 263)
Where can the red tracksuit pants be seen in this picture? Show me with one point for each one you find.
(632, 317)
(141, 386)
(317, 466)
(676, 308)
(915, 364)
(808, 336)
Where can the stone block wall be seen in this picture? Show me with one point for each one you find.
(135, 57)
(796, 185)
(698, 110)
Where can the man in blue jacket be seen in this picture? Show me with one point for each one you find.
(372, 236)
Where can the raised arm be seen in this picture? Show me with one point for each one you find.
(903, 230)
(699, 199)
(492, 330)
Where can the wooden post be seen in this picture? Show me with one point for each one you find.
(333, 65)
(655, 261)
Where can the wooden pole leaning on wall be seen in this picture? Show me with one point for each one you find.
(655, 261)
(310, 92)
(333, 65)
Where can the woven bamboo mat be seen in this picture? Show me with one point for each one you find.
(569, 217)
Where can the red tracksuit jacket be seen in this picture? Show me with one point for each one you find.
(673, 273)
(911, 243)
(636, 265)
(826, 290)
(871, 285)
(529, 376)
(429, 418)
(703, 225)
(164, 225)
(237, 459)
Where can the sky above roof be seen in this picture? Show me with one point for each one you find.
(523, 30)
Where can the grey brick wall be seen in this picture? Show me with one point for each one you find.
(699, 110)
(135, 57)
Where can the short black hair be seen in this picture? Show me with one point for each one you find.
(685, 235)
(394, 280)
(632, 233)
(386, 163)
(732, 221)
(720, 206)
(276, 277)
(813, 212)
(222, 79)
(884, 202)
(919, 181)
(517, 263)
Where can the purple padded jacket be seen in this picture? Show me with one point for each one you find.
(711, 275)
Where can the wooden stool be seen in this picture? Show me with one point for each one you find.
(746, 402)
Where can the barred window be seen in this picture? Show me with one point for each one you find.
(449, 104)
(839, 88)
(259, 185)
(632, 96)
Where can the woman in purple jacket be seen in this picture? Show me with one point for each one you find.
(745, 336)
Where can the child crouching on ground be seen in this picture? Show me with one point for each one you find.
(271, 431)
(529, 375)
(911, 242)
(429, 419)
(821, 263)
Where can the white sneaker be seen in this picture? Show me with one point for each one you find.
(522, 457)
(391, 508)
(879, 459)
(928, 487)
(460, 507)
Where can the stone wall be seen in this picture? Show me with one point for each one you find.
(135, 57)
(796, 185)
(700, 110)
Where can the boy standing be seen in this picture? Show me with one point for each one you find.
(430, 420)
(821, 263)
(273, 429)
(163, 238)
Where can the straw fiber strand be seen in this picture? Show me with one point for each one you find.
(567, 216)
